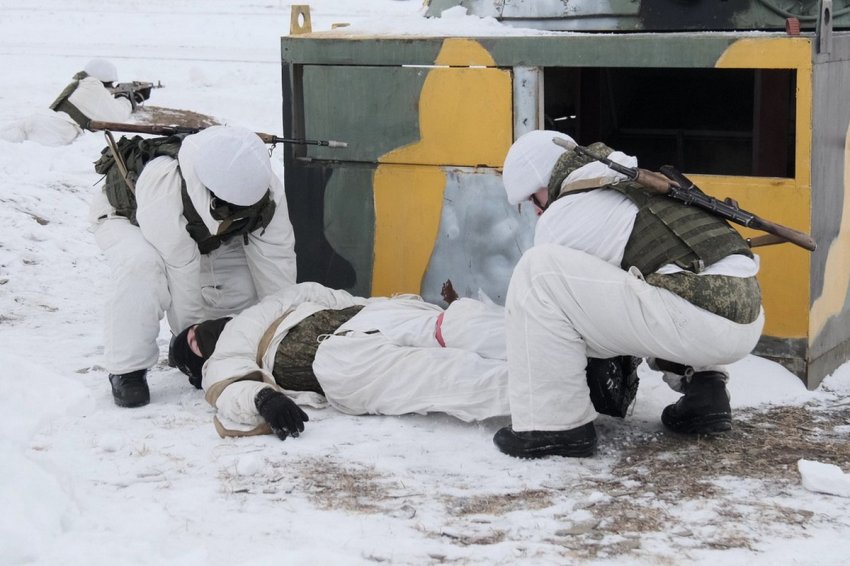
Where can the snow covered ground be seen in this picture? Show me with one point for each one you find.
(84, 482)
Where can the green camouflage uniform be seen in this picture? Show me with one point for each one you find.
(669, 232)
(293, 362)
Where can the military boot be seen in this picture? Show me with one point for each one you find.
(579, 442)
(703, 409)
(172, 363)
(130, 389)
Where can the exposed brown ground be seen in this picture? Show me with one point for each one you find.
(741, 484)
(173, 117)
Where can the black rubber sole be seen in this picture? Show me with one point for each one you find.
(508, 443)
(704, 424)
(131, 403)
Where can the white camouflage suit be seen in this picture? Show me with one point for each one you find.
(385, 360)
(157, 268)
(57, 128)
(569, 299)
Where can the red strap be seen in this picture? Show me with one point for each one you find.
(438, 332)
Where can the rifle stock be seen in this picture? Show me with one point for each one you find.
(170, 130)
(675, 185)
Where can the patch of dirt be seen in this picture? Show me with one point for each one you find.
(649, 489)
(499, 504)
(161, 116)
(349, 487)
(657, 473)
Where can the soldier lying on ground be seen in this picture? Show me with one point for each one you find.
(88, 97)
(312, 345)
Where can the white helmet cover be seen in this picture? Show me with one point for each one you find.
(102, 70)
(233, 163)
(529, 163)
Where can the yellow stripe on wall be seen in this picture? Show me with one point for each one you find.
(465, 119)
(785, 271)
(408, 202)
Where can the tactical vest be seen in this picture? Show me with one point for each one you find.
(62, 104)
(665, 230)
(293, 361)
(669, 232)
(137, 152)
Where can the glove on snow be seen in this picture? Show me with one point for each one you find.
(283, 415)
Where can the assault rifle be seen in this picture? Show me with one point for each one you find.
(136, 91)
(675, 185)
(158, 130)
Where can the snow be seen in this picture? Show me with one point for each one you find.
(85, 482)
(824, 478)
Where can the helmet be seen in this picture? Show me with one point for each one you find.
(529, 163)
(102, 70)
(233, 163)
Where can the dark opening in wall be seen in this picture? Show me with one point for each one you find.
(709, 121)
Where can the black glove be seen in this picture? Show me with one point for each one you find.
(613, 384)
(283, 415)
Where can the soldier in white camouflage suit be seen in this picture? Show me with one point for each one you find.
(86, 98)
(616, 270)
(313, 345)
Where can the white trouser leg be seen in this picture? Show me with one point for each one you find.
(226, 282)
(138, 297)
(369, 374)
(564, 306)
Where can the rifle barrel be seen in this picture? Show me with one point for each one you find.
(675, 185)
(693, 195)
(161, 130)
(270, 138)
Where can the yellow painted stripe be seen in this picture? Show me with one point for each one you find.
(408, 202)
(785, 269)
(465, 118)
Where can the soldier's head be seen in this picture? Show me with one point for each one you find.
(194, 346)
(528, 166)
(232, 162)
(102, 70)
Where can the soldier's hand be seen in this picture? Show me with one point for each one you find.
(283, 415)
(448, 292)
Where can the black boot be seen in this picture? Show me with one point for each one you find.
(130, 389)
(172, 363)
(577, 442)
(703, 409)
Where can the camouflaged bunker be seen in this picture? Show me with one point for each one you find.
(749, 98)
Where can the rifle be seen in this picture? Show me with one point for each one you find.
(675, 185)
(136, 91)
(162, 130)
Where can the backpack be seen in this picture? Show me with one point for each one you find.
(136, 153)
